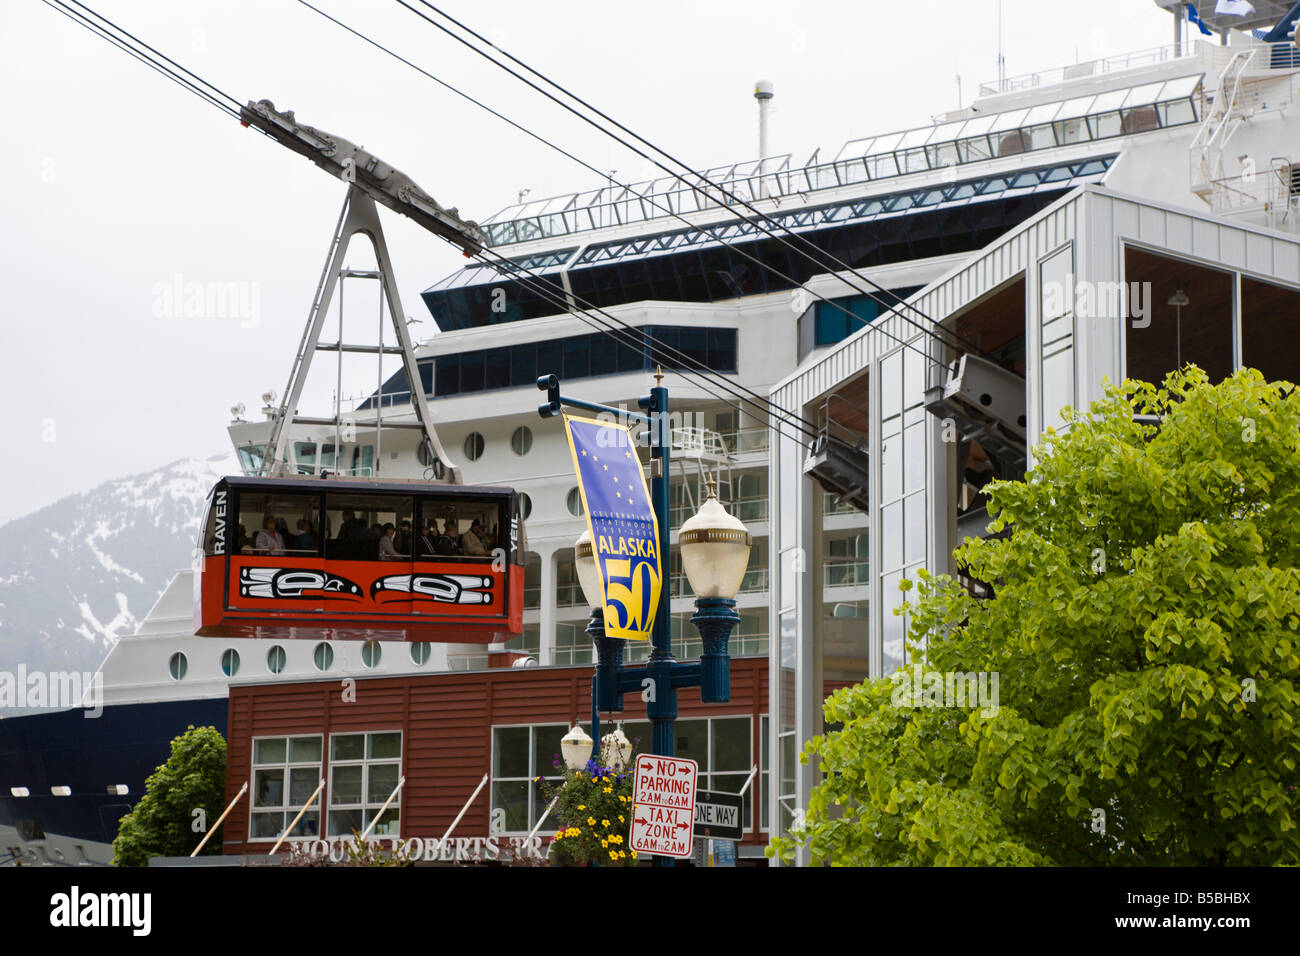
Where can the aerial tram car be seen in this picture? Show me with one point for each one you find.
(358, 557)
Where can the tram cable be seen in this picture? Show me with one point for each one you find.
(679, 356)
(729, 200)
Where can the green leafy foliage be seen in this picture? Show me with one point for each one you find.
(1145, 629)
(163, 822)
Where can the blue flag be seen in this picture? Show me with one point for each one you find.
(1195, 17)
(621, 519)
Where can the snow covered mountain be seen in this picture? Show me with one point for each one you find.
(78, 574)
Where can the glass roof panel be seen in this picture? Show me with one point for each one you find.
(947, 132)
(915, 137)
(1143, 95)
(1105, 102)
(885, 144)
(1042, 114)
(1080, 106)
(977, 126)
(1011, 120)
(1183, 86)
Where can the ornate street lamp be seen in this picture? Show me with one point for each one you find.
(715, 553)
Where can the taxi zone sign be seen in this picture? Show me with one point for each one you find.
(663, 805)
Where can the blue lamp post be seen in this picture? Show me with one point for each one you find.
(715, 552)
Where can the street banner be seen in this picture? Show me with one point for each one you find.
(621, 521)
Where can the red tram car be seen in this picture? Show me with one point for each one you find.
(337, 559)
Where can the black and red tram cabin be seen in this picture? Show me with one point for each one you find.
(361, 560)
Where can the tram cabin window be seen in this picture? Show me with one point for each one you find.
(460, 528)
(365, 527)
(278, 523)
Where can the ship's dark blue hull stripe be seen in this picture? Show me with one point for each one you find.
(125, 744)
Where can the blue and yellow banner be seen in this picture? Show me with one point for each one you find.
(621, 520)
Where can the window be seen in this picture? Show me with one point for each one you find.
(519, 756)
(323, 656)
(356, 524)
(474, 445)
(286, 772)
(526, 505)
(574, 502)
(275, 659)
(522, 440)
(278, 523)
(446, 523)
(177, 666)
(420, 652)
(1057, 281)
(230, 662)
(371, 652)
(364, 770)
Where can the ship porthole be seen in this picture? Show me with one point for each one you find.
(474, 446)
(275, 659)
(420, 652)
(324, 656)
(370, 653)
(177, 666)
(230, 662)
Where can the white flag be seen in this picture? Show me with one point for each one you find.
(1234, 8)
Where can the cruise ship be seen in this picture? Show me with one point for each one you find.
(1174, 167)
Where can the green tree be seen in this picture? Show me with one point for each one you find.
(1143, 627)
(163, 822)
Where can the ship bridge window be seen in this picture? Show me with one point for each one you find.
(251, 457)
(278, 524)
(304, 454)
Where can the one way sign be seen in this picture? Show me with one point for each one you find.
(718, 815)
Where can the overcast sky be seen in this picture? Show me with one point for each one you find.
(117, 182)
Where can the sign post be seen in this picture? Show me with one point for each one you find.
(663, 806)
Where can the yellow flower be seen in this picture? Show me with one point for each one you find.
(620, 819)
(604, 823)
(582, 806)
(591, 821)
(605, 844)
(609, 789)
(613, 855)
(558, 835)
(622, 854)
(634, 854)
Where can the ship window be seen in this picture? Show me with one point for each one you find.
(364, 772)
(177, 666)
(574, 502)
(420, 652)
(275, 659)
(323, 656)
(521, 442)
(286, 772)
(371, 652)
(304, 453)
(250, 458)
(230, 662)
(474, 446)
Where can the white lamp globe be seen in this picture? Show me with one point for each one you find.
(615, 748)
(715, 550)
(584, 557)
(575, 748)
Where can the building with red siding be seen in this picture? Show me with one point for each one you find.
(444, 732)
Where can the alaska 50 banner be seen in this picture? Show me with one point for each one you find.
(621, 520)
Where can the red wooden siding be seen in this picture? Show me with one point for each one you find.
(446, 721)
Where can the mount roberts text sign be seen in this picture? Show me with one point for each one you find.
(663, 805)
(621, 521)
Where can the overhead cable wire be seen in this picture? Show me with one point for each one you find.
(729, 200)
(679, 356)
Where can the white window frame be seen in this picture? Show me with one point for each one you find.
(365, 762)
(287, 809)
